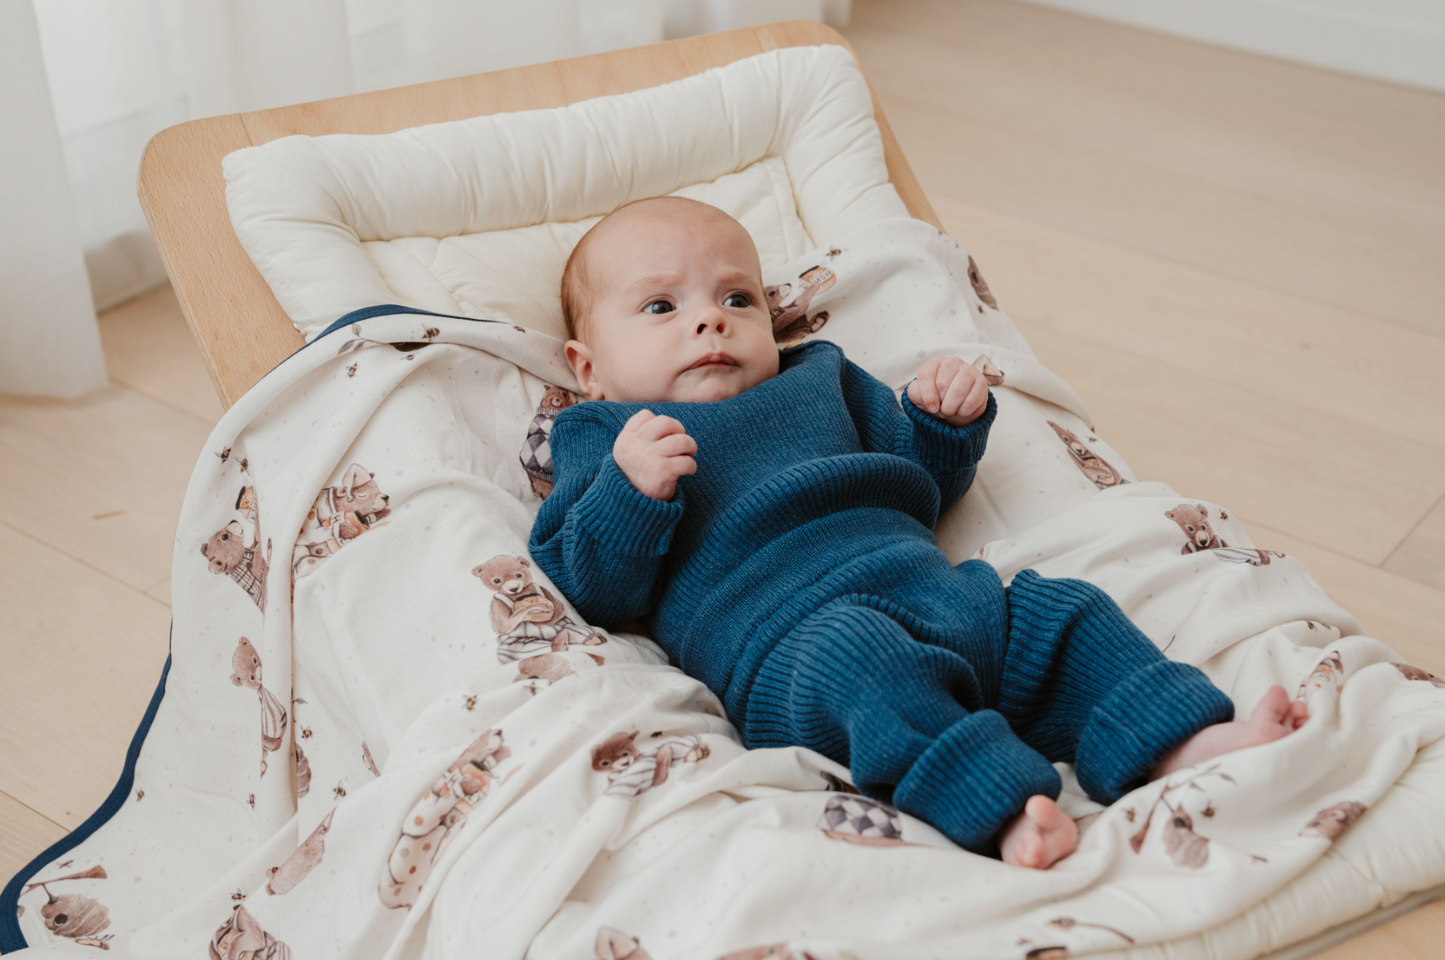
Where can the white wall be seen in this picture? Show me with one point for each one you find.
(1397, 40)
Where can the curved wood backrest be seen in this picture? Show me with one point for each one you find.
(241, 329)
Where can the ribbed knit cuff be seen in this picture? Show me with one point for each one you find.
(947, 446)
(973, 779)
(1146, 716)
(625, 520)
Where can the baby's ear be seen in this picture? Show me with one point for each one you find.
(579, 358)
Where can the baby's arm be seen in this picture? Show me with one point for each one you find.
(597, 536)
(949, 452)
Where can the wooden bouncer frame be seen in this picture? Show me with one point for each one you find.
(241, 329)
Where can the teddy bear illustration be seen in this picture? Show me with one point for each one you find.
(1193, 519)
(531, 623)
(74, 915)
(613, 944)
(789, 310)
(340, 514)
(992, 375)
(858, 819)
(302, 860)
(246, 672)
(241, 938)
(536, 455)
(1415, 673)
(1331, 822)
(1094, 467)
(631, 772)
(1327, 673)
(229, 553)
(435, 819)
(980, 286)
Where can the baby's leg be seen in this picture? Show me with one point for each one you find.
(1082, 684)
(1275, 716)
(853, 684)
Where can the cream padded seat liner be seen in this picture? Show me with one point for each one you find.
(476, 217)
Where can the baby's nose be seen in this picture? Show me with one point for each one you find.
(710, 320)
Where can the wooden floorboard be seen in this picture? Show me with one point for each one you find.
(1233, 260)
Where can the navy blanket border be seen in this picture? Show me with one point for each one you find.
(380, 310)
(10, 936)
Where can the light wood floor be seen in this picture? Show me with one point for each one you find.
(1235, 262)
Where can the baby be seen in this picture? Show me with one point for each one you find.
(770, 514)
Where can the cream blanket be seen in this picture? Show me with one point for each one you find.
(383, 734)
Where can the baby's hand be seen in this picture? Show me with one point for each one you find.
(951, 389)
(653, 452)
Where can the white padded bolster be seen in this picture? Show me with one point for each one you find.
(303, 206)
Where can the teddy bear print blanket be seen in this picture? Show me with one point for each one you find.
(384, 734)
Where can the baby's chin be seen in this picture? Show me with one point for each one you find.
(712, 387)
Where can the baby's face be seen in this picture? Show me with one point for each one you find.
(676, 312)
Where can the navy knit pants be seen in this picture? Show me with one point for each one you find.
(949, 696)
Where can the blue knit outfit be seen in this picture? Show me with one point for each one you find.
(796, 574)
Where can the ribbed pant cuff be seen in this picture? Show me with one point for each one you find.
(973, 779)
(1146, 716)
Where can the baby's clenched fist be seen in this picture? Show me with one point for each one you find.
(951, 389)
(653, 452)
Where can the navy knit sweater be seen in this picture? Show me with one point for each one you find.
(795, 478)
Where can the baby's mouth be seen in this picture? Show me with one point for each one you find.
(714, 359)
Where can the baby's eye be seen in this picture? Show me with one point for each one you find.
(738, 301)
(659, 306)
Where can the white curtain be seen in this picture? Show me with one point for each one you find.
(121, 70)
(49, 342)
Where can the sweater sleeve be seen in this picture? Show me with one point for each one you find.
(600, 539)
(950, 454)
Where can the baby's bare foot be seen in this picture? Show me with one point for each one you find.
(1275, 716)
(1039, 837)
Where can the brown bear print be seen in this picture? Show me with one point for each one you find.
(536, 455)
(302, 860)
(229, 553)
(435, 819)
(789, 310)
(530, 621)
(1415, 673)
(980, 286)
(241, 938)
(632, 771)
(1193, 520)
(1329, 672)
(857, 819)
(341, 514)
(613, 944)
(992, 375)
(246, 672)
(1093, 467)
(1331, 822)
(74, 916)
